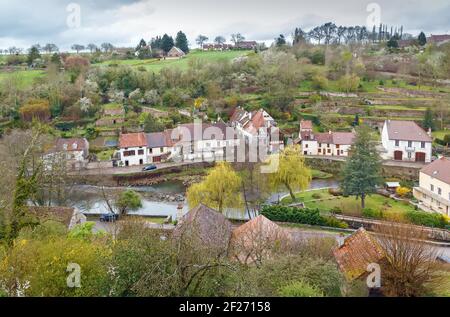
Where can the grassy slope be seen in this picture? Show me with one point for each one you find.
(24, 78)
(350, 205)
(155, 65)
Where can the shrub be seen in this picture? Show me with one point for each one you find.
(422, 218)
(335, 223)
(335, 192)
(317, 196)
(403, 192)
(300, 289)
(302, 216)
(371, 213)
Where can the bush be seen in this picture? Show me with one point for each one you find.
(370, 213)
(300, 289)
(403, 192)
(301, 216)
(335, 192)
(317, 196)
(422, 218)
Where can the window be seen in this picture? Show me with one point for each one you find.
(320, 150)
(338, 146)
(150, 151)
(320, 144)
(328, 145)
(422, 145)
(439, 191)
(329, 151)
(162, 150)
(141, 152)
(432, 187)
(409, 143)
(306, 146)
(129, 153)
(397, 143)
(409, 155)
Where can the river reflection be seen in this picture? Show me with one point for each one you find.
(89, 200)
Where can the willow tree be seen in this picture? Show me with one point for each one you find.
(219, 190)
(292, 171)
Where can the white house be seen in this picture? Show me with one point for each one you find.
(74, 151)
(258, 126)
(133, 149)
(324, 144)
(406, 141)
(159, 146)
(433, 192)
(200, 141)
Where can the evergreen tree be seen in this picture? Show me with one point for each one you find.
(280, 41)
(428, 120)
(33, 54)
(361, 174)
(422, 39)
(167, 43)
(181, 42)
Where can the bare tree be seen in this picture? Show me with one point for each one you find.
(411, 267)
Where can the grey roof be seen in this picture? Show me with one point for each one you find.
(208, 225)
(157, 139)
(406, 131)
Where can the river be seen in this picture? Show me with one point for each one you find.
(89, 199)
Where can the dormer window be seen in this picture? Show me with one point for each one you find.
(65, 147)
(397, 143)
(74, 146)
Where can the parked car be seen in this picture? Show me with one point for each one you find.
(150, 168)
(109, 218)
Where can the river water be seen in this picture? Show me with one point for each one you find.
(89, 199)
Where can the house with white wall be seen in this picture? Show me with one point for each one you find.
(433, 192)
(133, 149)
(73, 151)
(324, 144)
(159, 146)
(406, 141)
(203, 141)
(258, 127)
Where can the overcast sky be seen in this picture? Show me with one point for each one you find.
(125, 22)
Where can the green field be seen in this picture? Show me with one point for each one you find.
(155, 65)
(23, 78)
(350, 205)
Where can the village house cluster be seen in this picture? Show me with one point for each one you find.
(203, 141)
(402, 141)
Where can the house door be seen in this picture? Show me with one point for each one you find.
(420, 157)
(127, 163)
(398, 155)
(141, 162)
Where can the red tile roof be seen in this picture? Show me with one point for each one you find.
(439, 169)
(306, 125)
(407, 131)
(359, 250)
(343, 138)
(133, 140)
(439, 38)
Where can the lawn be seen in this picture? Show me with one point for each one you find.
(155, 65)
(325, 202)
(440, 134)
(24, 78)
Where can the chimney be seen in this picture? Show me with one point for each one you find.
(430, 132)
(330, 133)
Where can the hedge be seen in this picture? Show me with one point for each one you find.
(301, 216)
(427, 219)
